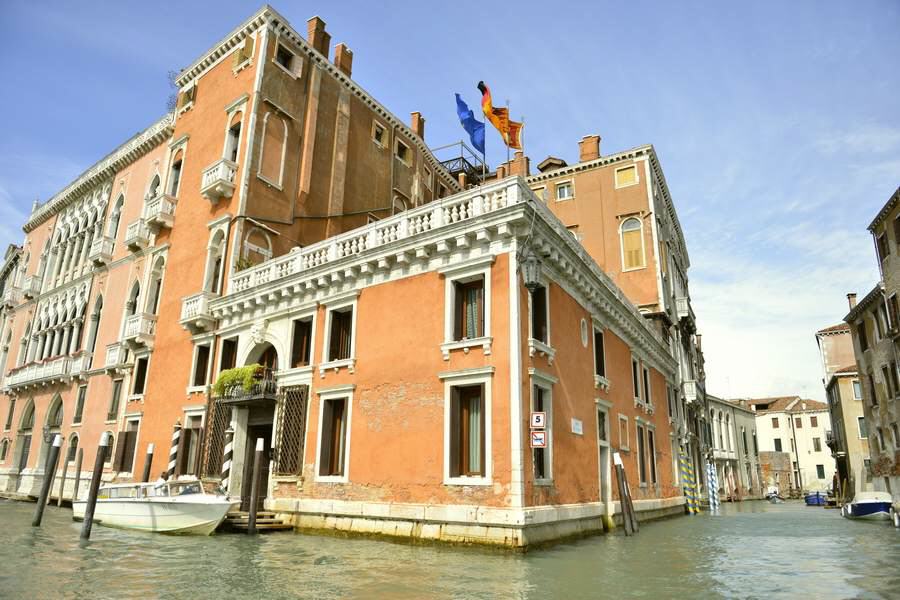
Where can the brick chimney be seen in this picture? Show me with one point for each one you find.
(851, 300)
(343, 59)
(316, 35)
(501, 171)
(417, 124)
(519, 165)
(589, 148)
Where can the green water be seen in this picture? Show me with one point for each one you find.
(750, 550)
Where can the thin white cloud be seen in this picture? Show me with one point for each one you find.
(863, 138)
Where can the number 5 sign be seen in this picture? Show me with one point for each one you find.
(538, 420)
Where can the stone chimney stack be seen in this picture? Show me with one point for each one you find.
(851, 300)
(316, 35)
(343, 59)
(589, 148)
(417, 124)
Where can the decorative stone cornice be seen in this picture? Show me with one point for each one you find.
(885, 211)
(864, 304)
(106, 168)
(268, 16)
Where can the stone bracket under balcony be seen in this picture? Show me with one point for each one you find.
(218, 180)
(196, 315)
(137, 235)
(160, 212)
(140, 330)
(101, 250)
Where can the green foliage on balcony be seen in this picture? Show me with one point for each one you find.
(229, 378)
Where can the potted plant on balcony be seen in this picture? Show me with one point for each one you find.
(245, 377)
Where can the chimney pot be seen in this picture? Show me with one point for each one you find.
(316, 35)
(851, 300)
(343, 59)
(589, 148)
(417, 124)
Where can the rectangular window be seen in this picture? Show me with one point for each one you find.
(201, 365)
(599, 354)
(814, 421)
(565, 190)
(140, 376)
(9, 414)
(893, 309)
(340, 337)
(113, 411)
(820, 471)
(651, 454)
(670, 399)
(861, 425)
(635, 379)
(229, 354)
(426, 176)
(468, 321)
(626, 176)
(175, 178)
(867, 467)
(861, 334)
(244, 53)
(744, 440)
(817, 445)
(602, 434)
(541, 458)
(285, 58)
(124, 457)
(775, 424)
(798, 422)
(886, 378)
(189, 450)
(646, 387)
(79, 405)
(857, 390)
(777, 445)
(301, 343)
(467, 432)
(623, 433)
(539, 314)
(378, 133)
(401, 151)
(895, 385)
(883, 248)
(642, 458)
(333, 438)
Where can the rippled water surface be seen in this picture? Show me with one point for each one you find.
(750, 550)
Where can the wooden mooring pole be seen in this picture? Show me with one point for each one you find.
(49, 469)
(623, 494)
(148, 462)
(102, 449)
(254, 488)
(62, 481)
(78, 459)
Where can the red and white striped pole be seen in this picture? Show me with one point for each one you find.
(173, 451)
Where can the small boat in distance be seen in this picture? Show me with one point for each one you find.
(868, 505)
(816, 498)
(163, 507)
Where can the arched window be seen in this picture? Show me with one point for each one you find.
(115, 217)
(133, 297)
(55, 414)
(215, 258)
(73, 448)
(269, 358)
(153, 190)
(728, 431)
(4, 450)
(175, 173)
(274, 145)
(109, 448)
(632, 244)
(233, 137)
(94, 325)
(399, 205)
(257, 246)
(156, 277)
(27, 422)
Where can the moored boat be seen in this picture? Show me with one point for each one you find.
(164, 507)
(868, 505)
(815, 499)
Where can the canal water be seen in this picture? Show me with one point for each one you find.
(749, 550)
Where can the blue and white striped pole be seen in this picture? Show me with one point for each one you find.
(713, 481)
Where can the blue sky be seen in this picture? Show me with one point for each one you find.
(777, 125)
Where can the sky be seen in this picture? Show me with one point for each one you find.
(777, 125)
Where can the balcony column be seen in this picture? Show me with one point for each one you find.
(75, 342)
(46, 344)
(88, 240)
(32, 348)
(57, 265)
(77, 248)
(56, 349)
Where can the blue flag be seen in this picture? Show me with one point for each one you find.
(474, 127)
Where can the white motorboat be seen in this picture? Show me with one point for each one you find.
(868, 505)
(164, 507)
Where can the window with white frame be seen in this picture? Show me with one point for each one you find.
(651, 454)
(626, 176)
(228, 359)
(301, 341)
(339, 348)
(140, 375)
(467, 306)
(188, 458)
(200, 376)
(333, 452)
(540, 315)
(646, 387)
(79, 404)
(861, 425)
(287, 60)
(599, 354)
(467, 427)
(124, 453)
(632, 240)
(379, 134)
(642, 453)
(402, 152)
(112, 412)
(541, 401)
(174, 180)
(636, 379)
(244, 53)
(565, 190)
(857, 390)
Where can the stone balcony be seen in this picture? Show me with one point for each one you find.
(101, 250)
(160, 212)
(54, 370)
(116, 356)
(196, 315)
(32, 286)
(684, 310)
(140, 330)
(723, 454)
(81, 364)
(690, 389)
(218, 180)
(12, 297)
(137, 235)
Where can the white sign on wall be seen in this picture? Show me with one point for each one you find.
(577, 427)
(538, 420)
(538, 439)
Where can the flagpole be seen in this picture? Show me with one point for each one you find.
(508, 166)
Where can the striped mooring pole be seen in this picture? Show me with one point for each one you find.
(226, 461)
(712, 477)
(173, 451)
(690, 486)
